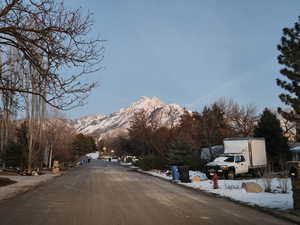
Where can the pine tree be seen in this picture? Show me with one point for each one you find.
(179, 153)
(276, 144)
(290, 58)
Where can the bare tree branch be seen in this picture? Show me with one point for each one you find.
(53, 41)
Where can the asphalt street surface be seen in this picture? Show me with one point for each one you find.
(103, 193)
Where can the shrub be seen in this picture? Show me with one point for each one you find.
(150, 162)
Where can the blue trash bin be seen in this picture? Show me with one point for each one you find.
(175, 173)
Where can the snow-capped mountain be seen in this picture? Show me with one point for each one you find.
(116, 124)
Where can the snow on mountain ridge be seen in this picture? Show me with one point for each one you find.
(118, 122)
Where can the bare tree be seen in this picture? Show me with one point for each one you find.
(150, 135)
(288, 128)
(58, 141)
(44, 30)
(7, 104)
(242, 119)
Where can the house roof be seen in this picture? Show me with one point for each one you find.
(295, 149)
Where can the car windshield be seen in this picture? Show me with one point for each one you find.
(220, 159)
(229, 159)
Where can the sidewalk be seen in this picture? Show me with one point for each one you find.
(24, 183)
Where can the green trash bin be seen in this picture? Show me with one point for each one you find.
(184, 174)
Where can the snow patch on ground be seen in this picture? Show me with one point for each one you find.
(233, 189)
(93, 155)
(125, 164)
(158, 173)
(114, 160)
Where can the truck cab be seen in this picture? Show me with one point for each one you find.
(227, 165)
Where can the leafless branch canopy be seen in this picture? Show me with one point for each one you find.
(52, 40)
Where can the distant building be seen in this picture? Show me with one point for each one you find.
(295, 152)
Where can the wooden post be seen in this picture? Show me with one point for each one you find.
(296, 193)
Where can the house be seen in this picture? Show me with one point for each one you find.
(295, 153)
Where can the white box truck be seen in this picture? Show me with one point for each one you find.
(241, 156)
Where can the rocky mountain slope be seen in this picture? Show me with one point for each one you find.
(116, 124)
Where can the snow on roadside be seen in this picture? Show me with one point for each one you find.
(198, 174)
(158, 173)
(125, 164)
(93, 155)
(233, 189)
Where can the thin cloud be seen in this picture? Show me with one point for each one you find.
(216, 92)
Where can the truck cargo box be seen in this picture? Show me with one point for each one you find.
(253, 149)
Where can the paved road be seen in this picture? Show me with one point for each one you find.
(104, 193)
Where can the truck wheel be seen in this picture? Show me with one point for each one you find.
(260, 172)
(230, 175)
(254, 173)
(208, 176)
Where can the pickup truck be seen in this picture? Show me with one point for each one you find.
(241, 156)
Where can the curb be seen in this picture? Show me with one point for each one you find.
(290, 216)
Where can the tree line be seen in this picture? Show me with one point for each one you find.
(56, 140)
(160, 146)
(48, 144)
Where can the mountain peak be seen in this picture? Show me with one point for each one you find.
(147, 104)
(153, 101)
(118, 122)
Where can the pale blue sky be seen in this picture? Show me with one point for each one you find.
(189, 52)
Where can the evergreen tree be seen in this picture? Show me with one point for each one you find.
(188, 129)
(84, 144)
(276, 144)
(179, 153)
(14, 155)
(290, 58)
